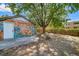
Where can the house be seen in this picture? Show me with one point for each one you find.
(15, 27)
(72, 24)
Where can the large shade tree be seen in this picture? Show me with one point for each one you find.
(43, 14)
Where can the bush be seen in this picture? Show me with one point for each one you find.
(69, 31)
(73, 32)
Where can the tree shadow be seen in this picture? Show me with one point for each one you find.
(63, 46)
(48, 45)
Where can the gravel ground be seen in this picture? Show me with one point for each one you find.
(64, 44)
(48, 45)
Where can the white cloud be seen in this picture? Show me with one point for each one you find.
(3, 8)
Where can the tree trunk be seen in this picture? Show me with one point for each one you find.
(43, 29)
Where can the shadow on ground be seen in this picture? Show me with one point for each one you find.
(48, 45)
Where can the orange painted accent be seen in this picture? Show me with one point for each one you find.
(26, 32)
(1, 35)
(18, 22)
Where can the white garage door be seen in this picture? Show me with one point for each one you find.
(8, 30)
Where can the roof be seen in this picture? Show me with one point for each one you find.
(73, 21)
(11, 17)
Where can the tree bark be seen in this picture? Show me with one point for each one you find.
(43, 29)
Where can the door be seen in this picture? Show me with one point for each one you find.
(8, 30)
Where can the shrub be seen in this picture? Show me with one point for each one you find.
(73, 32)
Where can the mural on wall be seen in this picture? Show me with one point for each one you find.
(23, 31)
(21, 28)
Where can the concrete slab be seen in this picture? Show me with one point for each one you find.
(16, 42)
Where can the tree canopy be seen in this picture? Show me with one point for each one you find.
(43, 14)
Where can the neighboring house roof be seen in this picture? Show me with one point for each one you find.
(72, 24)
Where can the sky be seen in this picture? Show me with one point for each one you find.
(74, 16)
(7, 11)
